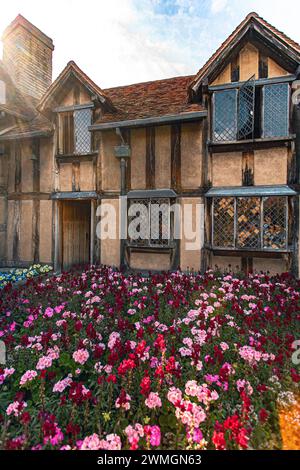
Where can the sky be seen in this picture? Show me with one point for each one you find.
(118, 42)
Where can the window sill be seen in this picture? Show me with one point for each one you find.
(76, 157)
(150, 249)
(255, 143)
(252, 252)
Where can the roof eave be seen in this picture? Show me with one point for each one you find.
(148, 121)
(26, 135)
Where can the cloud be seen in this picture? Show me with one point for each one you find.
(118, 42)
(218, 5)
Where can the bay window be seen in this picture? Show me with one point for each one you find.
(254, 223)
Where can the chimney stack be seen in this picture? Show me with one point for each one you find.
(27, 57)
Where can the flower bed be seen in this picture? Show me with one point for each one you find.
(17, 275)
(98, 360)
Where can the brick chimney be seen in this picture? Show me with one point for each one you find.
(27, 57)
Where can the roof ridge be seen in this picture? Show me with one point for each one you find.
(282, 33)
(150, 81)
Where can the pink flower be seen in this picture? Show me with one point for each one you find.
(153, 401)
(44, 362)
(174, 395)
(28, 376)
(93, 442)
(15, 408)
(81, 356)
(61, 385)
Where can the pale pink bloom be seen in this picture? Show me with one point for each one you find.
(61, 385)
(174, 395)
(153, 401)
(44, 362)
(191, 388)
(28, 376)
(15, 408)
(81, 356)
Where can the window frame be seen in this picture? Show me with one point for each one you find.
(263, 110)
(237, 87)
(262, 247)
(71, 111)
(138, 244)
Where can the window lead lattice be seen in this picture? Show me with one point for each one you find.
(246, 103)
(151, 219)
(248, 222)
(276, 104)
(82, 121)
(223, 233)
(225, 115)
(275, 223)
(254, 223)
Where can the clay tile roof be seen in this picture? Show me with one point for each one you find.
(253, 16)
(150, 99)
(39, 126)
(17, 104)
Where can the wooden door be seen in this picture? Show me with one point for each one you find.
(76, 229)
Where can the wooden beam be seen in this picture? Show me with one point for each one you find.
(150, 157)
(18, 167)
(248, 168)
(176, 157)
(36, 201)
(16, 231)
(75, 176)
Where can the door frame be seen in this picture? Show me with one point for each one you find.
(58, 231)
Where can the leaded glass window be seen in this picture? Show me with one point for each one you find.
(223, 234)
(225, 115)
(82, 121)
(149, 222)
(248, 222)
(276, 110)
(253, 223)
(275, 222)
(241, 113)
(74, 135)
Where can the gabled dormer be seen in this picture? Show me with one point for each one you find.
(74, 102)
(247, 83)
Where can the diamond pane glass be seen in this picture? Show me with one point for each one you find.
(82, 120)
(223, 231)
(138, 222)
(225, 115)
(276, 110)
(248, 222)
(246, 103)
(154, 222)
(275, 223)
(160, 222)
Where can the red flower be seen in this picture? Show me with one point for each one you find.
(263, 415)
(295, 376)
(111, 378)
(145, 386)
(219, 441)
(159, 343)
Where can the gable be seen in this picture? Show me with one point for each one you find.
(71, 86)
(252, 35)
(249, 61)
(73, 93)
